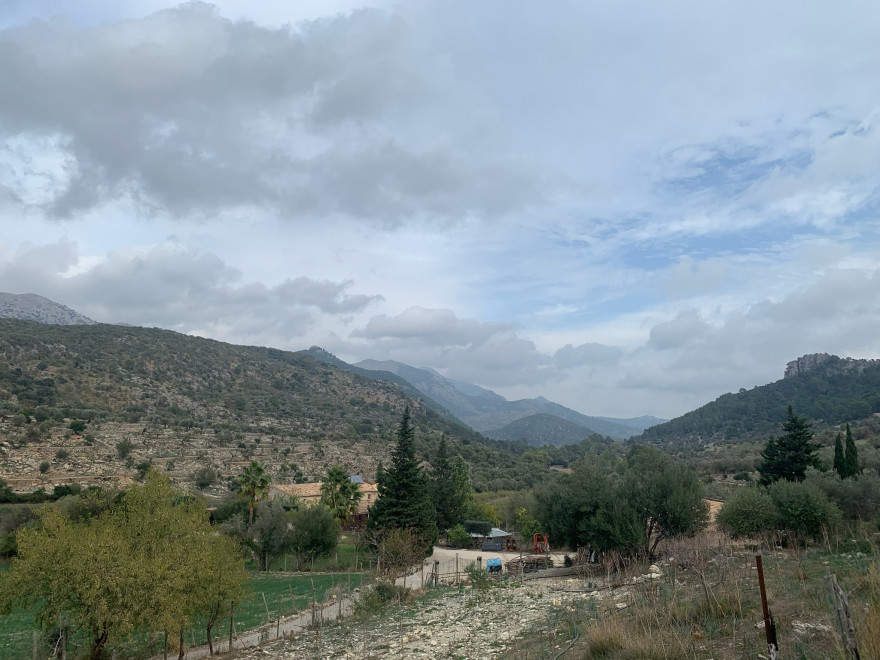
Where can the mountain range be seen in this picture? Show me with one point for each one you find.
(488, 412)
(827, 389)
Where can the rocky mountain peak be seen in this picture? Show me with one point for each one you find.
(810, 361)
(31, 307)
(803, 364)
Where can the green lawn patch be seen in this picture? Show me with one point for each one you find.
(284, 594)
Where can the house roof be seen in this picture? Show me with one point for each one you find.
(494, 533)
(312, 491)
(303, 491)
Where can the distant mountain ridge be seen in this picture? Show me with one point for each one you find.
(487, 412)
(824, 388)
(31, 307)
(540, 430)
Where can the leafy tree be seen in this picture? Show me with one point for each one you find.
(139, 565)
(526, 524)
(253, 486)
(851, 456)
(315, 531)
(340, 494)
(270, 535)
(654, 498)
(666, 495)
(788, 456)
(77, 426)
(749, 512)
(838, 463)
(404, 501)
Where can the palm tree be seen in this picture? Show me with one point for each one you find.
(253, 485)
(340, 494)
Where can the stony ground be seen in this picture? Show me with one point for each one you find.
(495, 622)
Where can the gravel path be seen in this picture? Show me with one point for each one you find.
(448, 623)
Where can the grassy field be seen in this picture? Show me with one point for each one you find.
(285, 593)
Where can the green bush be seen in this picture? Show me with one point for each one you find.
(204, 477)
(61, 454)
(858, 498)
(748, 512)
(458, 537)
(123, 448)
(44, 467)
(804, 510)
(77, 426)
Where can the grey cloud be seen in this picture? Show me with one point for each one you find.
(590, 354)
(484, 353)
(191, 112)
(684, 328)
(440, 326)
(327, 296)
(175, 287)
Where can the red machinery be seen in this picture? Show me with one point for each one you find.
(540, 543)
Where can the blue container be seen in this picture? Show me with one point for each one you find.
(493, 565)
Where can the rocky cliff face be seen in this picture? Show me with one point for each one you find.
(804, 364)
(31, 307)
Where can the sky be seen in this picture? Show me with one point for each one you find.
(629, 208)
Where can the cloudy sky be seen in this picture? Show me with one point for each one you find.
(628, 207)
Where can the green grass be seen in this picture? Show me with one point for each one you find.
(17, 629)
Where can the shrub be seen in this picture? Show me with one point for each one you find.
(61, 454)
(742, 476)
(858, 498)
(77, 426)
(123, 448)
(142, 468)
(804, 510)
(748, 512)
(44, 467)
(458, 537)
(378, 597)
(204, 477)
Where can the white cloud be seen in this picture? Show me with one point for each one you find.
(627, 208)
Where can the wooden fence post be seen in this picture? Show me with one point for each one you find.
(844, 619)
(231, 623)
(769, 624)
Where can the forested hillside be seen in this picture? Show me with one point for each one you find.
(832, 392)
(179, 402)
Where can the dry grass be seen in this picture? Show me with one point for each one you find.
(707, 604)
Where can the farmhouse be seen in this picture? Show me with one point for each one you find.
(310, 494)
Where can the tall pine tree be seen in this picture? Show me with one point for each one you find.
(450, 488)
(838, 464)
(404, 499)
(850, 456)
(788, 456)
